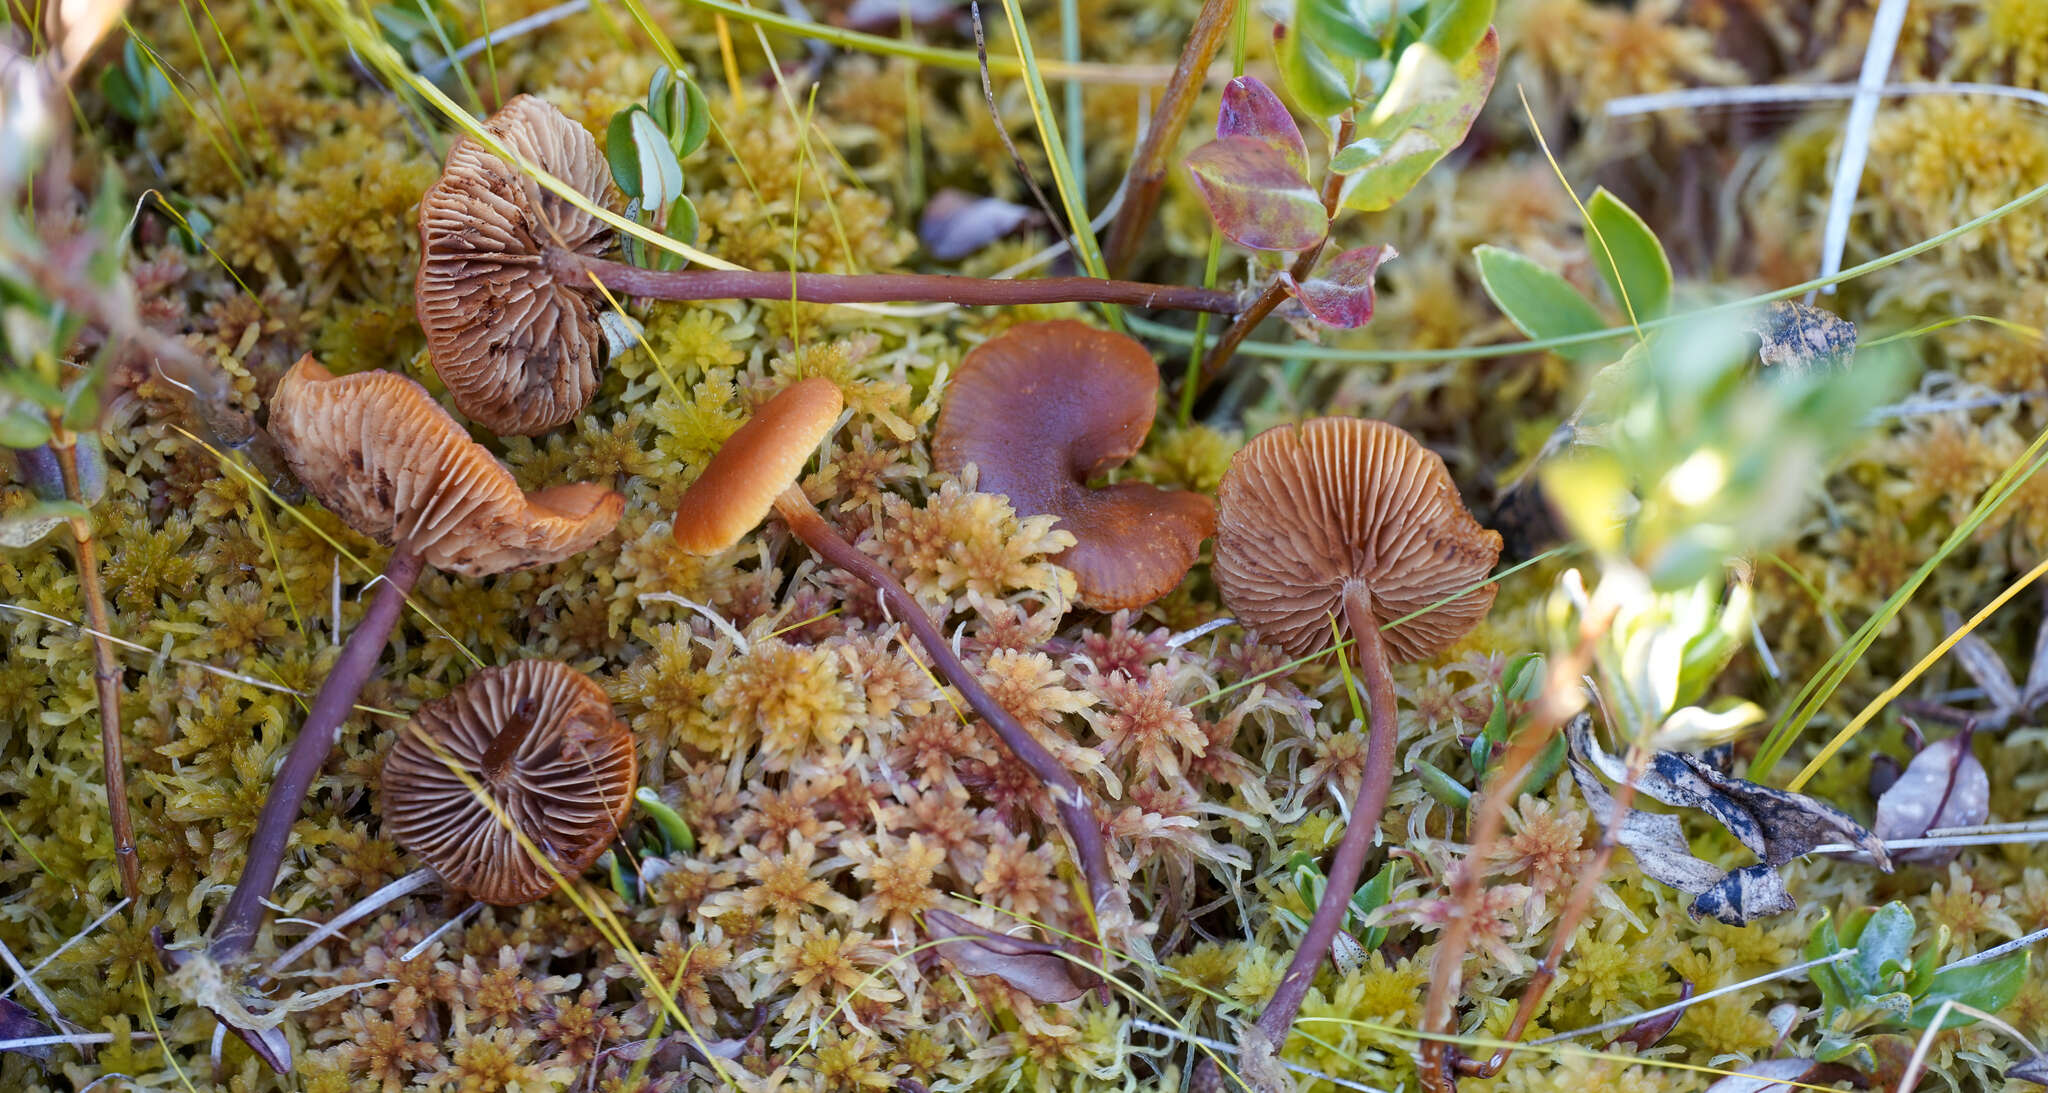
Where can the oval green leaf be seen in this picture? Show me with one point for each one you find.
(1540, 303)
(1629, 257)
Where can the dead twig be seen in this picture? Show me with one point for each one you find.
(1148, 166)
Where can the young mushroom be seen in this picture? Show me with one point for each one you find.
(1351, 524)
(508, 287)
(757, 470)
(376, 449)
(538, 739)
(1045, 408)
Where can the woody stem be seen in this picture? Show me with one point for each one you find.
(1068, 797)
(234, 931)
(106, 671)
(879, 288)
(1148, 167)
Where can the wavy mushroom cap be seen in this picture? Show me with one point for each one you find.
(754, 465)
(1043, 409)
(518, 349)
(566, 786)
(376, 449)
(1307, 509)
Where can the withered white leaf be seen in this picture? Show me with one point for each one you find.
(1034, 967)
(18, 1023)
(955, 223)
(1987, 669)
(1775, 824)
(1944, 786)
(1764, 1076)
(1801, 338)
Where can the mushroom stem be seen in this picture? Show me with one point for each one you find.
(1365, 818)
(1075, 814)
(505, 746)
(235, 929)
(879, 288)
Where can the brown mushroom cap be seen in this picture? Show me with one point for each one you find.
(1308, 508)
(567, 786)
(518, 349)
(760, 460)
(1044, 408)
(376, 449)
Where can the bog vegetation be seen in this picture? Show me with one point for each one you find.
(646, 545)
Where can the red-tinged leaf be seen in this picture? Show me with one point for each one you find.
(1033, 967)
(1644, 1034)
(1250, 109)
(1341, 296)
(1256, 197)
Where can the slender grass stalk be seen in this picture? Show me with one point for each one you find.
(213, 83)
(1073, 195)
(106, 670)
(1148, 167)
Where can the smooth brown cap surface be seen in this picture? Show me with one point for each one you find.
(1044, 408)
(1307, 508)
(759, 461)
(566, 788)
(518, 350)
(376, 449)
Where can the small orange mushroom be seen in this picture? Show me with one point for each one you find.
(756, 470)
(1342, 527)
(1043, 409)
(539, 740)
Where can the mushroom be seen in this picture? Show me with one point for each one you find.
(376, 449)
(538, 739)
(1342, 527)
(518, 347)
(1043, 409)
(756, 470)
(508, 290)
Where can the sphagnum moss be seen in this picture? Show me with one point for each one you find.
(914, 806)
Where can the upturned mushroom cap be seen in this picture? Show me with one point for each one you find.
(381, 453)
(566, 787)
(1044, 408)
(1308, 508)
(518, 349)
(756, 464)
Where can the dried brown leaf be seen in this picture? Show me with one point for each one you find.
(1034, 967)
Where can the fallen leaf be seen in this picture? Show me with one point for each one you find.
(18, 1023)
(1944, 786)
(1764, 1076)
(2033, 1070)
(955, 223)
(1034, 967)
(1644, 1034)
(1774, 824)
(1801, 338)
(1258, 1063)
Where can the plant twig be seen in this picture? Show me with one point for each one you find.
(1148, 166)
(1276, 290)
(1558, 703)
(874, 288)
(106, 671)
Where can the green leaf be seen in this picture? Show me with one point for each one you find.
(1639, 262)
(82, 401)
(696, 119)
(1989, 987)
(661, 177)
(619, 152)
(1319, 82)
(27, 526)
(27, 387)
(682, 221)
(1375, 894)
(1429, 106)
(1540, 303)
(1885, 947)
(1456, 26)
(1441, 786)
(1835, 1049)
(1820, 944)
(1590, 491)
(23, 427)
